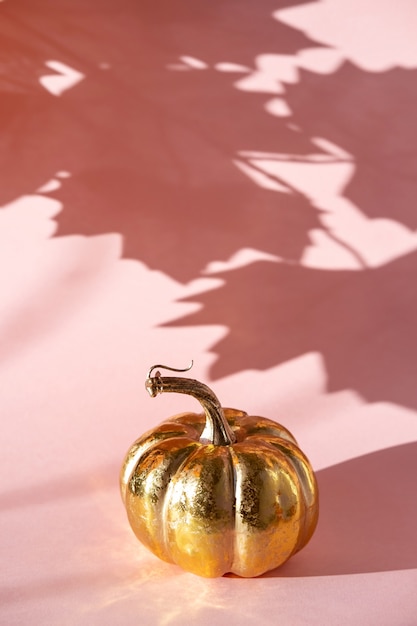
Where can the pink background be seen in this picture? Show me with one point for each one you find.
(234, 182)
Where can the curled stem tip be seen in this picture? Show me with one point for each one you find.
(217, 430)
(167, 367)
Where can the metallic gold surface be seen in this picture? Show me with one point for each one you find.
(242, 506)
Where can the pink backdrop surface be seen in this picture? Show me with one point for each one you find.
(228, 181)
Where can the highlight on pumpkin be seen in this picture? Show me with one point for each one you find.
(219, 491)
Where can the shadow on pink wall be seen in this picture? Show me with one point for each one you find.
(150, 153)
(362, 322)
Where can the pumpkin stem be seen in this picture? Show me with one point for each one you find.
(217, 430)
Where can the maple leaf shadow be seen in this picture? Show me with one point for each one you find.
(180, 229)
(372, 117)
(150, 149)
(367, 517)
(362, 322)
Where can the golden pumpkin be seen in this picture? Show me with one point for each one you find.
(219, 491)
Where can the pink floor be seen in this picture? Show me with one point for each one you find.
(229, 181)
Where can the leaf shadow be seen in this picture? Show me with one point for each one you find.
(150, 149)
(362, 322)
(371, 115)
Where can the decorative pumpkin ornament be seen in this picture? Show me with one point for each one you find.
(219, 491)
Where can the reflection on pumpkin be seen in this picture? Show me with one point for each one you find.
(220, 491)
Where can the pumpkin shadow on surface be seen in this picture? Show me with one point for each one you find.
(367, 517)
(366, 523)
